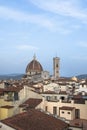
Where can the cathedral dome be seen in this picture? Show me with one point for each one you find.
(34, 66)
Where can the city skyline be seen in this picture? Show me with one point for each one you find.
(47, 28)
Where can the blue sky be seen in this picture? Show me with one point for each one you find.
(48, 28)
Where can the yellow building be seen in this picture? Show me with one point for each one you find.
(6, 111)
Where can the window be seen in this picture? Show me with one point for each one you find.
(82, 85)
(46, 108)
(77, 113)
(48, 98)
(62, 97)
(54, 110)
(16, 96)
(55, 97)
(68, 112)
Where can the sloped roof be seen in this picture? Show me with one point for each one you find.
(35, 120)
(66, 108)
(1, 91)
(63, 92)
(7, 107)
(13, 89)
(31, 103)
(49, 92)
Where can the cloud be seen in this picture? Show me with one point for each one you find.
(11, 14)
(71, 8)
(27, 47)
(51, 20)
(51, 23)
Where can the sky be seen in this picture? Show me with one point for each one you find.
(46, 28)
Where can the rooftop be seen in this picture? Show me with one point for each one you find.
(35, 120)
(66, 108)
(7, 107)
(31, 103)
(79, 123)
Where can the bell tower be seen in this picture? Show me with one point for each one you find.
(56, 67)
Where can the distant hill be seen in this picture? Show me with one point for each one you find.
(11, 76)
(19, 76)
(83, 76)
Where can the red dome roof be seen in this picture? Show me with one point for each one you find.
(34, 66)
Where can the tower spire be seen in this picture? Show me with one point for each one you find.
(34, 57)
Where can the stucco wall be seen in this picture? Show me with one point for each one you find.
(82, 107)
(69, 115)
(5, 113)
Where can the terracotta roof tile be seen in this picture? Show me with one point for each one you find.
(13, 89)
(35, 120)
(7, 107)
(79, 123)
(31, 103)
(77, 96)
(49, 92)
(63, 92)
(1, 91)
(66, 108)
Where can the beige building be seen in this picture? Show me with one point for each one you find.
(54, 107)
(51, 87)
(12, 97)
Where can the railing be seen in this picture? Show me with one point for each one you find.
(64, 101)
